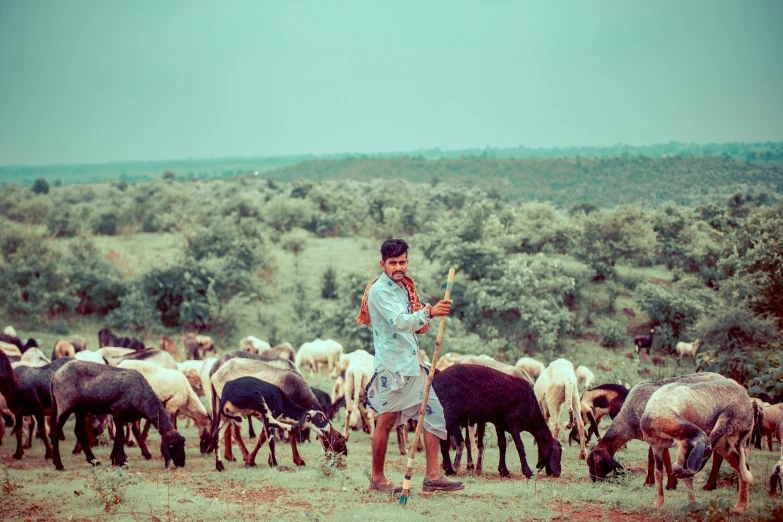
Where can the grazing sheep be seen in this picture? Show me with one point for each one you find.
(471, 393)
(626, 426)
(358, 375)
(79, 343)
(606, 399)
(198, 346)
(9, 330)
(175, 392)
(113, 355)
(772, 419)
(584, 377)
(554, 387)
(168, 345)
(91, 356)
(26, 392)
(254, 345)
(533, 367)
(154, 356)
(776, 477)
(488, 362)
(290, 381)
(683, 414)
(281, 351)
(318, 353)
(63, 348)
(250, 396)
(107, 338)
(689, 349)
(10, 349)
(81, 387)
(33, 357)
(644, 341)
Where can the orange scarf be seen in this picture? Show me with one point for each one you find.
(413, 301)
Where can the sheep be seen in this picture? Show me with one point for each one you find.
(606, 399)
(776, 477)
(10, 349)
(33, 357)
(626, 426)
(26, 392)
(319, 353)
(168, 345)
(175, 392)
(773, 418)
(644, 341)
(290, 381)
(154, 356)
(325, 400)
(198, 346)
(479, 394)
(81, 387)
(113, 354)
(765, 397)
(107, 338)
(533, 367)
(683, 414)
(282, 351)
(250, 396)
(63, 348)
(9, 330)
(584, 377)
(488, 362)
(6, 339)
(451, 358)
(253, 345)
(358, 374)
(687, 349)
(553, 388)
(91, 356)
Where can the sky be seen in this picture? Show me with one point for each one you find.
(104, 80)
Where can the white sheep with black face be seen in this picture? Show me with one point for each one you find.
(699, 418)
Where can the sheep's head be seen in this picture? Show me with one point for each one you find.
(549, 458)
(172, 446)
(776, 479)
(600, 464)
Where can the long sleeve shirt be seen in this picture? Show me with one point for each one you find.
(393, 328)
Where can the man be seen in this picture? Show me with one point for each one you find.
(394, 311)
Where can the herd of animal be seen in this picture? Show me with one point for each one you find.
(123, 382)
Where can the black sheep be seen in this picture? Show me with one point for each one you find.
(326, 406)
(471, 393)
(250, 396)
(26, 391)
(606, 399)
(107, 338)
(644, 341)
(85, 387)
(23, 347)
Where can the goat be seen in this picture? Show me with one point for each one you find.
(250, 396)
(33, 357)
(62, 348)
(9, 330)
(626, 426)
(644, 341)
(281, 351)
(26, 392)
(168, 345)
(584, 377)
(683, 413)
(776, 477)
(254, 345)
(17, 342)
(358, 374)
(479, 394)
(82, 387)
(154, 356)
(91, 356)
(533, 367)
(107, 338)
(10, 350)
(318, 353)
(325, 400)
(290, 381)
(553, 388)
(198, 346)
(689, 349)
(773, 418)
(606, 399)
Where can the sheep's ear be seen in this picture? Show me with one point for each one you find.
(696, 459)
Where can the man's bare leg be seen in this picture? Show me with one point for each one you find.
(432, 448)
(380, 441)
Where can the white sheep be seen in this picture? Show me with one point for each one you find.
(206, 383)
(584, 377)
(687, 349)
(318, 353)
(699, 418)
(90, 356)
(9, 330)
(32, 357)
(554, 387)
(358, 373)
(253, 345)
(533, 367)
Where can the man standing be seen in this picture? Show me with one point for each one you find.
(392, 308)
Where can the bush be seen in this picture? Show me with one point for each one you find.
(138, 311)
(329, 283)
(612, 333)
(109, 485)
(41, 186)
(105, 223)
(62, 222)
(100, 286)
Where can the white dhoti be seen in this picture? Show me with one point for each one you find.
(388, 392)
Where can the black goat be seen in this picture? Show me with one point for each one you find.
(326, 406)
(248, 396)
(26, 391)
(23, 347)
(107, 338)
(644, 341)
(606, 399)
(471, 393)
(85, 387)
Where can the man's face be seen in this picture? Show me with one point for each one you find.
(395, 267)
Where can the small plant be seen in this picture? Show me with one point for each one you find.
(713, 511)
(611, 332)
(9, 484)
(110, 484)
(329, 463)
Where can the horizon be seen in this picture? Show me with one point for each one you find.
(92, 82)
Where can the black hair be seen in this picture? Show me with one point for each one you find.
(393, 248)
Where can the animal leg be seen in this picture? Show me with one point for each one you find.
(227, 443)
(445, 457)
(240, 442)
(294, 453)
(251, 459)
(81, 436)
(481, 428)
(712, 481)
(30, 430)
(19, 446)
(141, 440)
(470, 447)
(460, 443)
(118, 453)
(520, 450)
(689, 489)
(671, 480)
(658, 456)
(225, 425)
(502, 469)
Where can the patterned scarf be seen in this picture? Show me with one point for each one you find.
(413, 301)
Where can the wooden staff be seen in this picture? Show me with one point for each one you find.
(406, 485)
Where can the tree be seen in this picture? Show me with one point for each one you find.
(169, 175)
(41, 186)
(295, 242)
(329, 283)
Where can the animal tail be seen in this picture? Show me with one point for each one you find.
(743, 467)
(569, 391)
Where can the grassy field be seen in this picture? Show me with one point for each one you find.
(320, 492)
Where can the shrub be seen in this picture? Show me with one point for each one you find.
(138, 311)
(329, 283)
(109, 485)
(612, 333)
(105, 223)
(41, 186)
(62, 222)
(99, 285)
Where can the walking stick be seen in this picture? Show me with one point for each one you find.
(406, 485)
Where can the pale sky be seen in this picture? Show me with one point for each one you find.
(103, 80)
